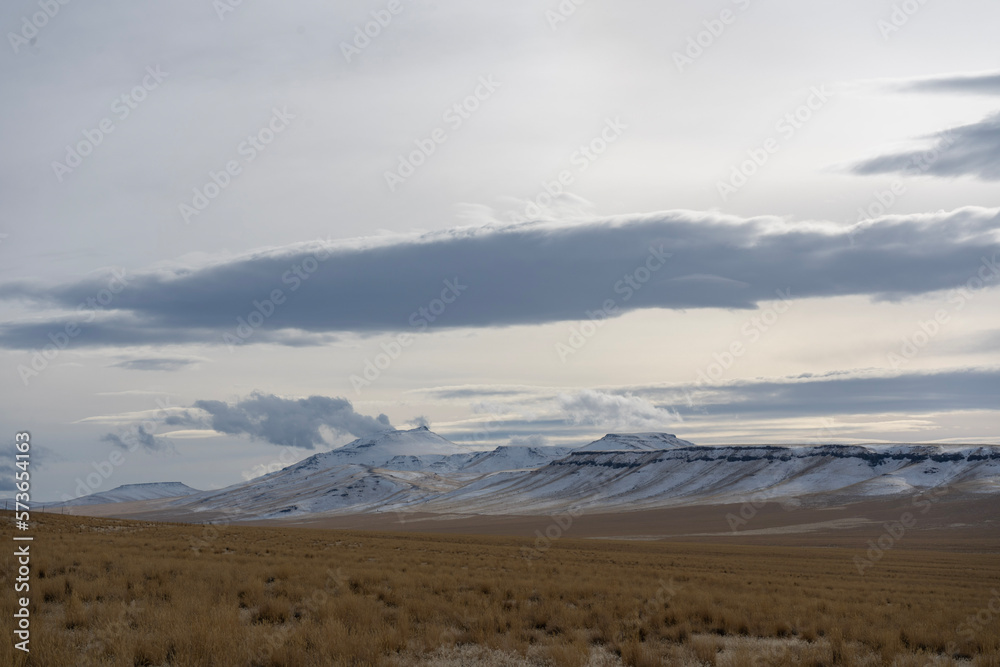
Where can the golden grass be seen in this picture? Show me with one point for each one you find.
(123, 593)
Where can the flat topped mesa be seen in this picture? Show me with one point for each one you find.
(132, 492)
(635, 442)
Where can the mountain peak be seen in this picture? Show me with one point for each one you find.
(380, 448)
(515, 457)
(616, 442)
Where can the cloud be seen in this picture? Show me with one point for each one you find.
(469, 392)
(980, 84)
(137, 437)
(530, 273)
(837, 393)
(614, 410)
(7, 472)
(533, 440)
(885, 403)
(653, 407)
(288, 422)
(968, 150)
(155, 364)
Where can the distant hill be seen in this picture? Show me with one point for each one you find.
(635, 442)
(418, 471)
(131, 492)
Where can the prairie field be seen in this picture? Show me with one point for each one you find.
(126, 593)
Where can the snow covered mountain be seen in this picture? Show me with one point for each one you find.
(132, 492)
(380, 449)
(632, 480)
(514, 457)
(635, 442)
(304, 489)
(419, 471)
(365, 473)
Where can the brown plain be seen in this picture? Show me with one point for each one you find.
(128, 593)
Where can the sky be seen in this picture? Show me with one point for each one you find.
(234, 234)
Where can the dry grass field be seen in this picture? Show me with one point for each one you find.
(129, 593)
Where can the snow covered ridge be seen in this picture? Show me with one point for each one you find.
(635, 442)
(381, 448)
(514, 457)
(419, 471)
(132, 492)
(624, 472)
(421, 449)
(629, 480)
(873, 455)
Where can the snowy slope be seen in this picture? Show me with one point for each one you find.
(420, 471)
(615, 442)
(514, 457)
(627, 480)
(294, 491)
(380, 449)
(131, 492)
(430, 462)
(361, 475)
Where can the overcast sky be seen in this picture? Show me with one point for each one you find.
(235, 234)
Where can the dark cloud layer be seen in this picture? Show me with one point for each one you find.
(135, 438)
(7, 477)
(968, 150)
(282, 421)
(809, 395)
(907, 393)
(520, 274)
(903, 395)
(980, 84)
(155, 364)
